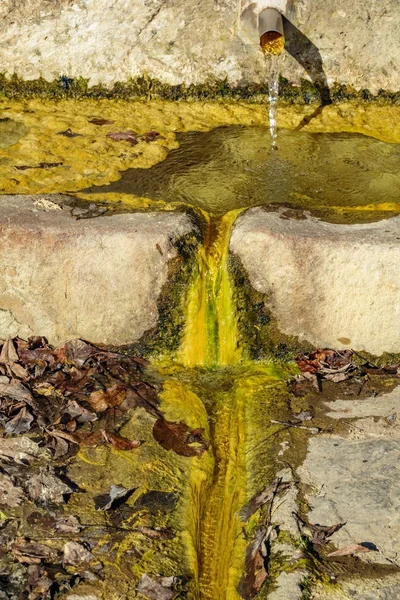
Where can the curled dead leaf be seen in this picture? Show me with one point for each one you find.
(118, 442)
(350, 550)
(101, 400)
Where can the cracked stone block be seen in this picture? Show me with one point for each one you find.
(99, 279)
(332, 285)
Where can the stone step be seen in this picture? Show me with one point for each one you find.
(98, 279)
(331, 285)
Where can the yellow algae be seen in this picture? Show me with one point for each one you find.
(211, 336)
(61, 132)
(128, 201)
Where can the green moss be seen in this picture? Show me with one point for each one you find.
(258, 330)
(145, 87)
(165, 337)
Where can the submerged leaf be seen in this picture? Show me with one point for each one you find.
(124, 136)
(100, 121)
(179, 438)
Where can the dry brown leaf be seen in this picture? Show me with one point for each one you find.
(45, 487)
(21, 450)
(118, 442)
(349, 550)
(20, 423)
(8, 354)
(101, 400)
(10, 495)
(32, 553)
(76, 554)
(255, 566)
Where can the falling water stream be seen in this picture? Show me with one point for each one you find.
(272, 64)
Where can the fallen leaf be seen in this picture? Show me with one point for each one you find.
(255, 566)
(262, 498)
(20, 423)
(101, 400)
(19, 372)
(179, 438)
(150, 136)
(112, 499)
(42, 165)
(303, 415)
(100, 121)
(21, 450)
(118, 442)
(349, 550)
(32, 553)
(78, 412)
(319, 533)
(8, 354)
(124, 136)
(11, 495)
(154, 590)
(76, 554)
(69, 133)
(336, 377)
(45, 487)
(70, 524)
(18, 392)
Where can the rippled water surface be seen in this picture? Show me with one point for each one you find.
(234, 167)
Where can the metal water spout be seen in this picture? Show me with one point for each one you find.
(270, 30)
(261, 23)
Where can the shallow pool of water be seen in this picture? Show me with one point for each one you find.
(235, 167)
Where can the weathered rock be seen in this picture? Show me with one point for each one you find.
(99, 279)
(354, 479)
(356, 482)
(352, 42)
(332, 285)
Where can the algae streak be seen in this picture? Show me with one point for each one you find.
(233, 406)
(211, 336)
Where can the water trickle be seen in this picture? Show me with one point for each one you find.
(272, 64)
(211, 337)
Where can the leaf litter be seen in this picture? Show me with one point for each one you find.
(53, 401)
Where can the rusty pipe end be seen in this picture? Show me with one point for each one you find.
(270, 29)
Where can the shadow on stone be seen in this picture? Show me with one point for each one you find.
(302, 49)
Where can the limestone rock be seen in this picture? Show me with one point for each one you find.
(99, 279)
(332, 285)
(192, 41)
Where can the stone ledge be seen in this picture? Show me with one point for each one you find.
(99, 279)
(331, 285)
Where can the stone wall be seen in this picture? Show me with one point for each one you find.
(349, 41)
